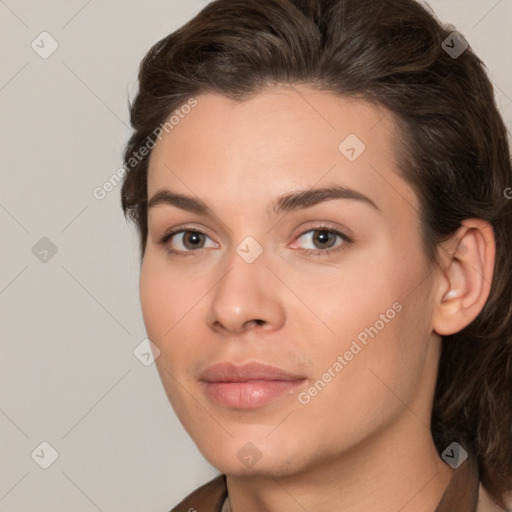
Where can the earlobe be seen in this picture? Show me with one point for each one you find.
(466, 270)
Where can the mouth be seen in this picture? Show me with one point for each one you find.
(249, 386)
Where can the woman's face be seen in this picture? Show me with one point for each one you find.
(333, 289)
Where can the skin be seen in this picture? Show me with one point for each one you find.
(363, 442)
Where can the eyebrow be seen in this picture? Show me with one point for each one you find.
(286, 203)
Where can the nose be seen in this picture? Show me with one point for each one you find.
(246, 297)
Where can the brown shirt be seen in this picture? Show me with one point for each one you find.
(463, 494)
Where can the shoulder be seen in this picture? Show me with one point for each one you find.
(208, 498)
(487, 504)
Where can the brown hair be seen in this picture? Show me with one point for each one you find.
(452, 149)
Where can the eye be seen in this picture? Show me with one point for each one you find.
(328, 239)
(186, 241)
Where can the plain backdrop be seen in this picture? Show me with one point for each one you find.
(69, 302)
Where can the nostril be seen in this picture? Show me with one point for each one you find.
(257, 322)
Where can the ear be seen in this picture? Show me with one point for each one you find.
(467, 266)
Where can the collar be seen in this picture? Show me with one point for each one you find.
(461, 494)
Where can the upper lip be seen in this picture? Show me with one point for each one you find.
(229, 372)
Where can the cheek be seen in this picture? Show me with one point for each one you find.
(170, 308)
(377, 313)
(153, 300)
(164, 310)
(163, 300)
(352, 299)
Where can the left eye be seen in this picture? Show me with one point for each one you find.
(323, 239)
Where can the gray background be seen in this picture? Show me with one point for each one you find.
(71, 320)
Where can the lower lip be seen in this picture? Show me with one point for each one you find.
(252, 394)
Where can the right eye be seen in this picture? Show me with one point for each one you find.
(188, 241)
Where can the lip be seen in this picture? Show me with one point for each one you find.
(248, 386)
(229, 372)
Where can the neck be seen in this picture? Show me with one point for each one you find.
(400, 470)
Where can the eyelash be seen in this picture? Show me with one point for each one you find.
(316, 253)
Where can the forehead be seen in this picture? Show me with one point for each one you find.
(277, 141)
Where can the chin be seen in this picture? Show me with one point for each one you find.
(242, 457)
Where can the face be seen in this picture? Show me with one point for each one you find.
(331, 287)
